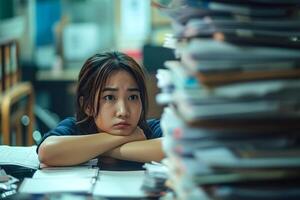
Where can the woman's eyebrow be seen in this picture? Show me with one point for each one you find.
(109, 89)
(133, 89)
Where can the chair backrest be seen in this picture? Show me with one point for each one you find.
(10, 73)
(16, 98)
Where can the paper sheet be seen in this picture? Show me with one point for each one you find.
(67, 172)
(50, 185)
(120, 184)
(19, 155)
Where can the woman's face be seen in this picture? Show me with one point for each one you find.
(120, 105)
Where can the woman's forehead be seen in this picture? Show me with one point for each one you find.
(120, 78)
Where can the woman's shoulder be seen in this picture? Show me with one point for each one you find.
(154, 125)
(69, 121)
(153, 122)
(65, 127)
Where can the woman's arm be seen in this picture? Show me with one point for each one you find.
(72, 150)
(140, 151)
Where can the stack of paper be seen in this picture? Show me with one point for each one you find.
(81, 179)
(155, 179)
(233, 99)
(75, 179)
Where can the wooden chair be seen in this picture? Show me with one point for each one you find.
(16, 98)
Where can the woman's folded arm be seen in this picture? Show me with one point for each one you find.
(73, 150)
(139, 151)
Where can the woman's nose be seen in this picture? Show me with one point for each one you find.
(122, 109)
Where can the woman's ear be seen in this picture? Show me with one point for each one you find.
(87, 110)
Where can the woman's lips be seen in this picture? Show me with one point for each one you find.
(121, 125)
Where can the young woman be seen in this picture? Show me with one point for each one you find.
(111, 109)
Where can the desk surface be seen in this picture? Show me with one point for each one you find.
(118, 165)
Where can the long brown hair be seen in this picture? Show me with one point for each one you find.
(92, 79)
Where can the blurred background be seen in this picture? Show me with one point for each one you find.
(55, 37)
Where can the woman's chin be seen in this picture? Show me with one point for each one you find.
(120, 133)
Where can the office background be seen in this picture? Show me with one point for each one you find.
(55, 37)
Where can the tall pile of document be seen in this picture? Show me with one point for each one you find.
(156, 175)
(233, 117)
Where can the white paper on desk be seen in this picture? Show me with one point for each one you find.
(53, 185)
(67, 172)
(120, 184)
(20, 156)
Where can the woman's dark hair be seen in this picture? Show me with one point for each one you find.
(92, 79)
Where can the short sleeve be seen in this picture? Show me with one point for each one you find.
(65, 127)
(155, 128)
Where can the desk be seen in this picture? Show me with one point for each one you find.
(121, 165)
(116, 166)
(22, 172)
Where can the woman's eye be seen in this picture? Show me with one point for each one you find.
(133, 97)
(109, 97)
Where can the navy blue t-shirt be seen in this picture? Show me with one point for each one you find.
(68, 127)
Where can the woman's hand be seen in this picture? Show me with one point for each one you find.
(138, 134)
